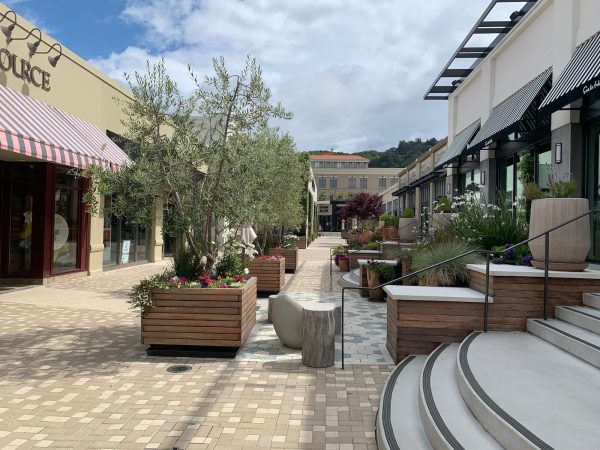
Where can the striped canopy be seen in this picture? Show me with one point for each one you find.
(32, 128)
(517, 113)
(459, 144)
(581, 76)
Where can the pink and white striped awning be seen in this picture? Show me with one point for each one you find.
(32, 128)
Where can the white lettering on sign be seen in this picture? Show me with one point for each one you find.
(21, 68)
(591, 87)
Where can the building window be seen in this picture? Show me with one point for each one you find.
(352, 182)
(67, 221)
(393, 181)
(382, 182)
(440, 188)
(322, 182)
(363, 182)
(333, 182)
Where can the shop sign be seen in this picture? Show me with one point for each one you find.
(21, 68)
(125, 251)
(324, 210)
(591, 87)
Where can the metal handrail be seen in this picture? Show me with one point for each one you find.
(487, 253)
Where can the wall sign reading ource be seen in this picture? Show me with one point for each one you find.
(21, 68)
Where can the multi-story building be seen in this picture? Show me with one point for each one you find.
(339, 177)
(529, 92)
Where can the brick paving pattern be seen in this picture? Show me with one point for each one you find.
(73, 374)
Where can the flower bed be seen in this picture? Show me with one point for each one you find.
(269, 272)
(290, 255)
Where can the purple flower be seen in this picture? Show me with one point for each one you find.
(510, 254)
(497, 261)
(527, 260)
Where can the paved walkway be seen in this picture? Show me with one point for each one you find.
(73, 374)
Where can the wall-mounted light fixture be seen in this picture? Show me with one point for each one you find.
(53, 59)
(7, 30)
(558, 152)
(33, 46)
(482, 178)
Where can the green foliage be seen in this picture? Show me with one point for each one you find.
(207, 170)
(186, 263)
(140, 296)
(486, 225)
(526, 167)
(230, 264)
(386, 219)
(386, 272)
(451, 274)
(532, 191)
(562, 188)
(372, 245)
(402, 253)
(408, 213)
(340, 250)
(444, 205)
(394, 222)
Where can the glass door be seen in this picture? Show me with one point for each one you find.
(20, 219)
(593, 185)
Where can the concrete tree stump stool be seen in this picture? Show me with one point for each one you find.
(318, 334)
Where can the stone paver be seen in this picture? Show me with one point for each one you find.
(73, 374)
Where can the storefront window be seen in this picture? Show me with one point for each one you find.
(110, 235)
(67, 235)
(21, 218)
(544, 168)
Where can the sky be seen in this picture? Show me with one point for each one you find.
(353, 72)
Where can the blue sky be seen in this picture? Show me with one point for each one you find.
(353, 72)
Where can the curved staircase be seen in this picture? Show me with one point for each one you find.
(516, 390)
(350, 279)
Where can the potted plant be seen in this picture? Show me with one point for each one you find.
(451, 274)
(442, 215)
(569, 245)
(378, 273)
(407, 225)
(341, 258)
(269, 271)
(183, 308)
(384, 221)
(404, 257)
(288, 249)
(392, 228)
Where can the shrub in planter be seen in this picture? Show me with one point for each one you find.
(378, 273)
(407, 225)
(451, 274)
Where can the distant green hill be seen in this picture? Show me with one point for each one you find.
(401, 156)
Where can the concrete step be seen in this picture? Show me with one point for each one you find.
(447, 421)
(355, 275)
(347, 280)
(398, 422)
(579, 342)
(582, 316)
(528, 393)
(592, 300)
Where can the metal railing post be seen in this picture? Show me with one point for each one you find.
(487, 292)
(342, 325)
(330, 270)
(546, 270)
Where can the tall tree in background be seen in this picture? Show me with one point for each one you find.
(363, 206)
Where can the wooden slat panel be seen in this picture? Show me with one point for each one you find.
(199, 342)
(191, 323)
(192, 329)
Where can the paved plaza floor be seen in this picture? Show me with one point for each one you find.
(73, 374)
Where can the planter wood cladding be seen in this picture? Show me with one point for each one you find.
(345, 235)
(517, 299)
(201, 317)
(418, 327)
(301, 242)
(270, 274)
(290, 255)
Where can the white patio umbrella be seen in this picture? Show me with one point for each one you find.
(246, 234)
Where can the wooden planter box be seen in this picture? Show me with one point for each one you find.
(301, 242)
(196, 317)
(345, 234)
(290, 255)
(270, 274)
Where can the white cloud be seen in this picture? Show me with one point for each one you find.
(352, 71)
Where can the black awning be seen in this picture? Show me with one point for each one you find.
(517, 113)
(400, 191)
(581, 76)
(432, 176)
(459, 144)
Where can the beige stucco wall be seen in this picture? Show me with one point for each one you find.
(372, 174)
(546, 37)
(78, 88)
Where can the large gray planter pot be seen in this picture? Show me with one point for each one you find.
(569, 245)
(407, 229)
